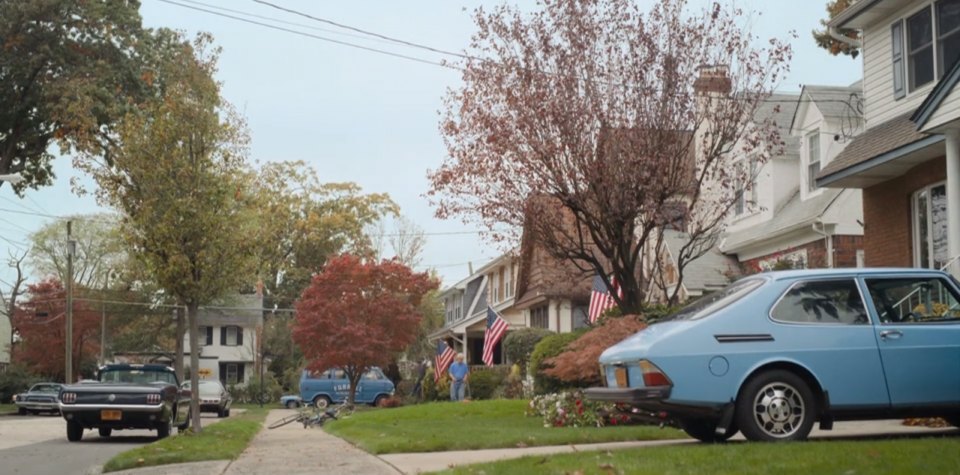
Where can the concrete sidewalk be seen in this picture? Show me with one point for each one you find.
(294, 450)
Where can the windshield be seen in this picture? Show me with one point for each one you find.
(711, 303)
(45, 388)
(137, 376)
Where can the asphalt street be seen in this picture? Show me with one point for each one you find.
(37, 445)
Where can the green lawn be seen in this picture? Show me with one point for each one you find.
(925, 455)
(8, 408)
(224, 440)
(476, 425)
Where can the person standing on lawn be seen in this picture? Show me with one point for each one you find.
(459, 374)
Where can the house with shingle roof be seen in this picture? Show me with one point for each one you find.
(907, 160)
(781, 215)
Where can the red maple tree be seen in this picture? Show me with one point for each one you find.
(40, 322)
(358, 313)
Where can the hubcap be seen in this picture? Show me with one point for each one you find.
(779, 409)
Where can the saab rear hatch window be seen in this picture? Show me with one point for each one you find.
(712, 303)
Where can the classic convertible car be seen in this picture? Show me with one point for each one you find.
(774, 353)
(127, 396)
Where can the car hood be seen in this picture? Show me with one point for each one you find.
(638, 345)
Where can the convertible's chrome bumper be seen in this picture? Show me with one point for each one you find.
(117, 407)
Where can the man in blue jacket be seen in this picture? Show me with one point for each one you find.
(459, 374)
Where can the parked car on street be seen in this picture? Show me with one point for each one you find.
(41, 397)
(332, 386)
(774, 353)
(128, 396)
(213, 397)
(291, 401)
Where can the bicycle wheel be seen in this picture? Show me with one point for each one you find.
(284, 421)
(345, 410)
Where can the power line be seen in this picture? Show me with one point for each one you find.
(310, 35)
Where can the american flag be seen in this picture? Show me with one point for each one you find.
(496, 327)
(601, 299)
(444, 357)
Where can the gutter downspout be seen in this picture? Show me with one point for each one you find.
(828, 239)
(835, 34)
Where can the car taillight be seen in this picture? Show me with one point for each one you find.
(653, 376)
(69, 398)
(153, 399)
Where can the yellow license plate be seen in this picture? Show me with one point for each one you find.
(107, 415)
(621, 374)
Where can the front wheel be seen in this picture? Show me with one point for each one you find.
(776, 405)
(284, 421)
(74, 431)
(292, 404)
(705, 430)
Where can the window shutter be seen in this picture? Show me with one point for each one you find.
(239, 336)
(896, 46)
(209, 335)
(239, 372)
(223, 336)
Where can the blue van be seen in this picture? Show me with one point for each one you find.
(332, 386)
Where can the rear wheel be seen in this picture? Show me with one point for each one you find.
(321, 401)
(292, 404)
(105, 431)
(74, 431)
(705, 430)
(284, 421)
(776, 405)
(379, 400)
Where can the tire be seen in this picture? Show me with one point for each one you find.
(74, 431)
(105, 431)
(186, 423)
(705, 430)
(321, 401)
(954, 420)
(226, 413)
(221, 413)
(284, 421)
(775, 406)
(378, 400)
(292, 404)
(22, 411)
(163, 430)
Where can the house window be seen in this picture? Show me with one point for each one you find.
(813, 159)
(231, 373)
(457, 309)
(494, 288)
(747, 194)
(540, 317)
(508, 281)
(231, 335)
(930, 226)
(920, 48)
(926, 59)
(206, 336)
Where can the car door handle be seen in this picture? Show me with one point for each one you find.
(891, 334)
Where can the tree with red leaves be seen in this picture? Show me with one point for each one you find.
(357, 314)
(578, 363)
(40, 321)
(596, 125)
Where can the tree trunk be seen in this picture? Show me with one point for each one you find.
(181, 330)
(192, 319)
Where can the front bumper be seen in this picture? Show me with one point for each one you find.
(37, 406)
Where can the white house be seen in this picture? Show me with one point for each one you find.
(228, 339)
(5, 334)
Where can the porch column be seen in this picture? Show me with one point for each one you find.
(952, 140)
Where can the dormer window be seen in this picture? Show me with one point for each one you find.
(813, 159)
(915, 48)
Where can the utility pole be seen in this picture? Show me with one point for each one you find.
(71, 248)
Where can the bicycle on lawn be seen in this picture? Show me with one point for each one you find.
(315, 415)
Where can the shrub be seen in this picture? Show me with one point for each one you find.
(392, 401)
(520, 343)
(549, 347)
(435, 391)
(512, 386)
(16, 379)
(483, 382)
(272, 390)
(577, 364)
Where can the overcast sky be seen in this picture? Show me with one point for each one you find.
(365, 117)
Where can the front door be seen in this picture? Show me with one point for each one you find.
(919, 338)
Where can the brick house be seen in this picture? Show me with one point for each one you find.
(907, 161)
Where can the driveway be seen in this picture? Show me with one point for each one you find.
(38, 445)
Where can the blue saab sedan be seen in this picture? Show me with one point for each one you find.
(774, 353)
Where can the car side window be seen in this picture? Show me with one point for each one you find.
(371, 374)
(835, 301)
(914, 300)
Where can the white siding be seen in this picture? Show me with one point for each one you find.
(949, 110)
(879, 104)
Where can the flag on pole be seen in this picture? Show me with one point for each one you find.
(496, 327)
(601, 299)
(442, 361)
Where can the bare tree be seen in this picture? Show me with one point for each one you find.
(597, 126)
(9, 300)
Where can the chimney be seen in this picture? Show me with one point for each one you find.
(712, 79)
